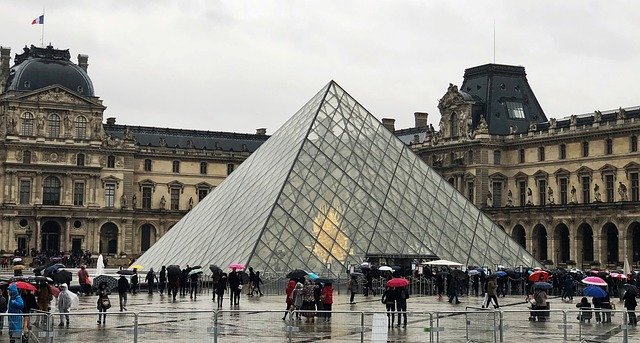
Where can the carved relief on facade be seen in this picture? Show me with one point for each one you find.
(454, 110)
(58, 95)
(622, 114)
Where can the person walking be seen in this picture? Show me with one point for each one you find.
(134, 281)
(234, 288)
(298, 299)
(439, 281)
(4, 301)
(174, 283)
(123, 289)
(352, 286)
(184, 280)
(402, 294)
(103, 303)
(326, 297)
(221, 286)
(162, 282)
(252, 276)
(193, 280)
(452, 289)
(389, 300)
(630, 304)
(16, 305)
(291, 285)
(256, 284)
(83, 280)
(308, 301)
(491, 293)
(64, 304)
(151, 279)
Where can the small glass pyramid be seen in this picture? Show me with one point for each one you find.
(329, 188)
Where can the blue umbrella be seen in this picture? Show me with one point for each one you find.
(313, 276)
(594, 291)
(543, 286)
(501, 273)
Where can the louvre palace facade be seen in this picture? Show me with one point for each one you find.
(72, 179)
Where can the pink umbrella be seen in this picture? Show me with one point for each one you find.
(618, 276)
(236, 266)
(594, 280)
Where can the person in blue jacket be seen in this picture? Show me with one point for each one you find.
(15, 306)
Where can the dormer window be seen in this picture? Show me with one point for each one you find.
(27, 84)
(515, 109)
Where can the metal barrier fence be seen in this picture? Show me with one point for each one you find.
(471, 325)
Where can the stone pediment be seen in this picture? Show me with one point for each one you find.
(520, 175)
(58, 95)
(498, 176)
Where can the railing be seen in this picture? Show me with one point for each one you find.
(470, 325)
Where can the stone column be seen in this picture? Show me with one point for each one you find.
(36, 235)
(623, 245)
(598, 251)
(574, 251)
(96, 237)
(67, 236)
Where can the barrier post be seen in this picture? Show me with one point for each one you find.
(135, 328)
(361, 327)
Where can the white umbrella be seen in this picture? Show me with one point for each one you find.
(444, 263)
(386, 269)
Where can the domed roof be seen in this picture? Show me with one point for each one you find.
(37, 68)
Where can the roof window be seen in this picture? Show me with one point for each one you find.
(515, 110)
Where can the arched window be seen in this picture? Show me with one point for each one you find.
(111, 161)
(51, 191)
(54, 126)
(454, 124)
(27, 124)
(81, 127)
(26, 157)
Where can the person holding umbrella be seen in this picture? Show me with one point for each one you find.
(234, 288)
(402, 294)
(389, 300)
(134, 281)
(291, 285)
(123, 288)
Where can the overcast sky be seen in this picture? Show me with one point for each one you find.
(241, 65)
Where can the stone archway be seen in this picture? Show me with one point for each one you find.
(148, 236)
(633, 234)
(539, 242)
(50, 237)
(519, 235)
(109, 238)
(563, 249)
(585, 242)
(610, 246)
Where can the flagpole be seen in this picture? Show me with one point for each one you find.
(42, 36)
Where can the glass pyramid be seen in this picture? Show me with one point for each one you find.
(330, 187)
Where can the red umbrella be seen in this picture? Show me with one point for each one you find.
(539, 275)
(55, 291)
(25, 286)
(397, 282)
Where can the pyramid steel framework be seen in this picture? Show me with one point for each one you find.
(330, 187)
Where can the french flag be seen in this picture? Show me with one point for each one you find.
(39, 20)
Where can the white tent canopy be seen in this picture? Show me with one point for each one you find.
(444, 263)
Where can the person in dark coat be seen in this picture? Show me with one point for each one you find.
(174, 284)
(134, 281)
(151, 280)
(585, 310)
(4, 300)
(252, 276)
(103, 303)
(256, 284)
(193, 281)
(184, 281)
(389, 300)
(402, 294)
(123, 288)
(234, 288)
(16, 305)
(439, 281)
(452, 289)
(162, 282)
(630, 304)
(30, 303)
(221, 286)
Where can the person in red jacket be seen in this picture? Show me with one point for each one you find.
(326, 297)
(290, 287)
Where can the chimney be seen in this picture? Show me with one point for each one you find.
(261, 131)
(389, 123)
(111, 120)
(5, 57)
(421, 119)
(83, 62)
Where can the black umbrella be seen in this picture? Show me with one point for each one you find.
(62, 276)
(443, 273)
(38, 271)
(215, 269)
(173, 270)
(125, 272)
(630, 288)
(297, 274)
(37, 279)
(110, 281)
(459, 273)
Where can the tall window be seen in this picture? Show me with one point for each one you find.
(111, 161)
(78, 193)
(564, 184)
(26, 157)
(470, 157)
(541, 153)
(146, 198)
(542, 191)
(203, 168)
(497, 194)
(54, 126)
(635, 187)
(27, 124)
(51, 191)
(563, 152)
(608, 184)
(522, 189)
(521, 158)
(470, 190)
(81, 127)
(80, 160)
(176, 166)
(633, 142)
(25, 192)
(585, 149)
(515, 110)
(147, 164)
(586, 192)
(497, 157)
(175, 198)
(110, 194)
(229, 168)
(454, 124)
(202, 193)
(608, 146)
